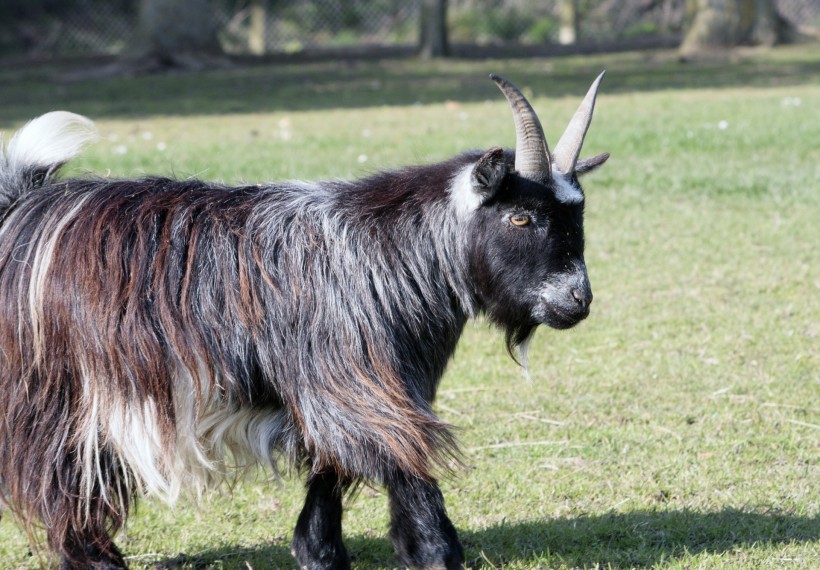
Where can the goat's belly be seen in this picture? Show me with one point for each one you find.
(204, 449)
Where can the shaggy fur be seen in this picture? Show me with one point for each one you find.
(159, 334)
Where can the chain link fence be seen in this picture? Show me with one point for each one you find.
(69, 28)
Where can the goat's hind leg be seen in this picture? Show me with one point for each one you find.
(317, 541)
(422, 534)
(81, 522)
(80, 552)
(86, 544)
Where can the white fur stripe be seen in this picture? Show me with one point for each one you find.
(40, 264)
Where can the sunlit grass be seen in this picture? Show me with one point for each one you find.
(678, 427)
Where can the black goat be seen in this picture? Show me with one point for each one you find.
(155, 334)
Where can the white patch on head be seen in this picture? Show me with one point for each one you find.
(462, 193)
(50, 140)
(565, 191)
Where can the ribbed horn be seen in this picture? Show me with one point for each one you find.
(532, 155)
(569, 145)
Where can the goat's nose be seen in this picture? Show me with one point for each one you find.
(582, 296)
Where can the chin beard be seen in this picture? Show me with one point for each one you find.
(518, 340)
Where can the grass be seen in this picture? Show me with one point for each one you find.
(678, 427)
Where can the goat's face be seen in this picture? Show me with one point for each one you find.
(527, 254)
(528, 258)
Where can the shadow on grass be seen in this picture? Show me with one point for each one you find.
(641, 539)
(29, 91)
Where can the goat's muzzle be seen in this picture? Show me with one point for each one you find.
(563, 305)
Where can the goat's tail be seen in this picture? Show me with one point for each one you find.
(38, 150)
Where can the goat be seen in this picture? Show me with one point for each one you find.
(159, 334)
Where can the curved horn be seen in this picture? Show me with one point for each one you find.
(569, 145)
(532, 156)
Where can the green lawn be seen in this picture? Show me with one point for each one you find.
(678, 427)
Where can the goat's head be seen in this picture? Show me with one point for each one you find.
(527, 254)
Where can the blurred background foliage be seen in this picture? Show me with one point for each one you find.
(72, 28)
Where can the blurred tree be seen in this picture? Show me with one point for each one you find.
(258, 27)
(717, 24)
(568, 32)
(433, 37)
(175, 33)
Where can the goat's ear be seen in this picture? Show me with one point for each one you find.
(589, 164)
(489, 172)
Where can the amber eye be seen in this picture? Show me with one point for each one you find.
(520, 219)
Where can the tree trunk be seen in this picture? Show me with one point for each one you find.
(258, 27)
(721, 24)
(176, 32)
(568, 31)
(433, 37)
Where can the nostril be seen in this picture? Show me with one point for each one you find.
(583, 298)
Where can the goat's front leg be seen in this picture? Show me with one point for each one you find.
(317, 541)
(422, 534)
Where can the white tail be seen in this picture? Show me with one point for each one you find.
(49, 141)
